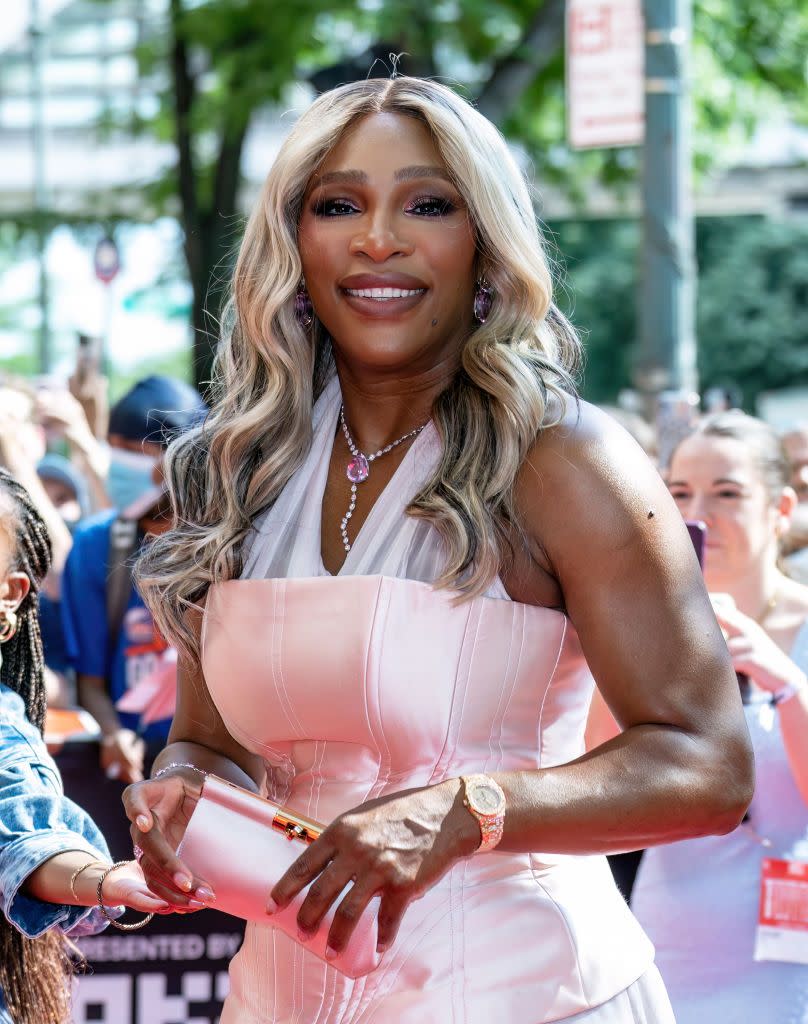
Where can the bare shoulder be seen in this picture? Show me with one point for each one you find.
(600, 523)
(587, 484)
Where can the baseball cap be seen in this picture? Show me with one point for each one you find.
(156, 409)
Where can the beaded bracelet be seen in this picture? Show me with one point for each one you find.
(180, 764)
(115, 924)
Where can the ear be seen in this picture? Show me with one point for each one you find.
(13, 591)
(784, 510)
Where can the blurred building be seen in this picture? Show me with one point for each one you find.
(91, 100)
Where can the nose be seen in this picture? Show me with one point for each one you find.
(698, 507)
(378, 238)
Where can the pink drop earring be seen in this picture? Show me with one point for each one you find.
(303, 307)
(483, 300)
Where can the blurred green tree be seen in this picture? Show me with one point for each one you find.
(753, 307)
(225, 60)
(752, 302)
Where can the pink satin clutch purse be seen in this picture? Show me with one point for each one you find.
(241, 844)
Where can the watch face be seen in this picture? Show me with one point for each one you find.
(485, 799)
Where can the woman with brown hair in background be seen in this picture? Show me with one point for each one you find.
(699, 899)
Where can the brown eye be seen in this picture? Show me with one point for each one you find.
(334, 208)
(431, 206)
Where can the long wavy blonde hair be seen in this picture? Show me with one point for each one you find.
(269, 370)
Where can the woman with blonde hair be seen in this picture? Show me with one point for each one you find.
(394, 517)
(699, 899)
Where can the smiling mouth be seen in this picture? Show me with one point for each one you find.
(384, 294)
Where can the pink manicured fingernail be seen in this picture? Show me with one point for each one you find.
(206, 894)
(196, 904)
(142, 822)
(182, 881)
(272, 906)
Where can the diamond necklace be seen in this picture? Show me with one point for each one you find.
(358, 469)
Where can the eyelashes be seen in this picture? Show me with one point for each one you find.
(423, 206)
(333, 208)
(431, 206)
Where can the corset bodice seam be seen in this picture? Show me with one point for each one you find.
(512, 676)
(547, 689)
(375, 722)
(449, 746)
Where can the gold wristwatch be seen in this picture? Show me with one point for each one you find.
(486, 801)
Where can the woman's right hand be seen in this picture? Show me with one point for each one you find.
(159, 811)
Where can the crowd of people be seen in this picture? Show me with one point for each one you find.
(408, 217)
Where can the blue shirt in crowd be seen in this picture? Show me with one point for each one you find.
(84, 615)
(53, 633)
(37, 821)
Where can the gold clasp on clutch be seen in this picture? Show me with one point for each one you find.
(295, 826)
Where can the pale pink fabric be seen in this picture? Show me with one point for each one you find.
(373, 681)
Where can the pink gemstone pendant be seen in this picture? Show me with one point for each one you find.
(358, 469)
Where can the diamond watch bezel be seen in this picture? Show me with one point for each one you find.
(499, 805)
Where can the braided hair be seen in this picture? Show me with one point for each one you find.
(23, 668)
(34, 973)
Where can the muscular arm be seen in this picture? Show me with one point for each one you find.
(601, 523)
(199, 736)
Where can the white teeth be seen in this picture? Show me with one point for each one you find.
(384, 293)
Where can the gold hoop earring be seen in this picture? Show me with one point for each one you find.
(8, 625)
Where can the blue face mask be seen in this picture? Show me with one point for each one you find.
(129, 477)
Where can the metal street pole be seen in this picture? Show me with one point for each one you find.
(667, 357)
(37, 34)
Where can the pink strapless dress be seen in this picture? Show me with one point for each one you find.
(370, 682)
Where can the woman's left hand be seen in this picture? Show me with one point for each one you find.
(752, 649)
(397, 846)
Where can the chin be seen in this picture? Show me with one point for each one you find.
(384, 354)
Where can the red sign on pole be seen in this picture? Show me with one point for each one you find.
(106, 261)
(605, 68)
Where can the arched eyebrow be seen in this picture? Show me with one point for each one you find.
(729, 480)
(342, 178)
(403, 174)
(716, 483)
(422, 171)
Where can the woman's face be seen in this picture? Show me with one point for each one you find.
(717, 480)
(388, 250)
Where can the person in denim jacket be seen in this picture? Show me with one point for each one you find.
(52, 855)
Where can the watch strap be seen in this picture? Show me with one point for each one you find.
(491, 825)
